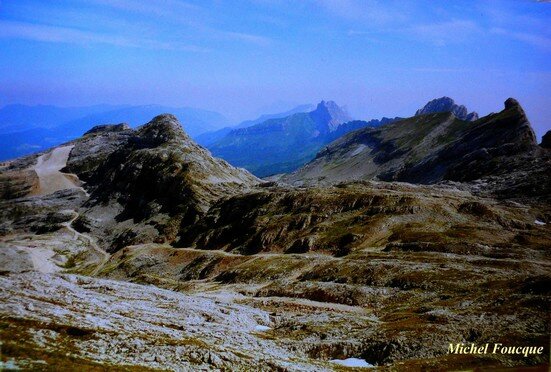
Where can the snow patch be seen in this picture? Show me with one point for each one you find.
(538, 222)
(353, 362)
(358, 150)
(261, 328)
(9, 365)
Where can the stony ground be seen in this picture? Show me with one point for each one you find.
(434, 265)
(62, 320)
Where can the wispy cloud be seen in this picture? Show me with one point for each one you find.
(443, 33)
(439, 34)
(443, 70)
(250, 38)
(158, 8)
(538, 41)
(180, 12)
(166, 25)
(374, 11)
(503, 17)
(365, 35)
(56, 34)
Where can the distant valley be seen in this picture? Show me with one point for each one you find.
(28, 129)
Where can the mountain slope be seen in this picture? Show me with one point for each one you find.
(279, 145)
(263, 118)
(282, 145)
(428, 148)
(383, 272)
(155, 180)
(209, 138)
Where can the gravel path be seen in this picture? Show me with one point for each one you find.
(48, 170)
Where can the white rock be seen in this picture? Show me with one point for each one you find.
(352, 362)
(261, 328)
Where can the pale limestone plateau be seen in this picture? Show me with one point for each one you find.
(135, 249)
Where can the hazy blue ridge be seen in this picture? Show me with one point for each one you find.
(283, 145)
(209, 138)
(28, 129)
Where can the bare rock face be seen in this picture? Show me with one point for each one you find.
(446, 104)
(94, 147)
(436, 147)
(489, 147)
(15, 184)
(546, 140)
(151, 181)
(108, 128)
(328, 115)
(120, 323)
(473, 116)
(492, 146)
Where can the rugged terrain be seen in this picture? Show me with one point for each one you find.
(437, 147)
(284, 144)
(209, 138)
(159, 256)
(446, 104)
(27, 129)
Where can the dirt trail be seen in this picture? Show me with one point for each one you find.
(49, 253)
(104, 256)
(48, 170)
(42, 259)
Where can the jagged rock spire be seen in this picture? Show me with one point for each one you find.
(446, 104)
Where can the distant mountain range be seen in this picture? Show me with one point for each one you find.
(17, 118)
(26, 129)
(209, 138)
(270, 144)
(281, 145)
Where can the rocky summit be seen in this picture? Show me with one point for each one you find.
(135, 249)
(446, 104)
(157, 180)
(546, 140)
(438, 147)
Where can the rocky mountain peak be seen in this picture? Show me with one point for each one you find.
(161, 129)
(428, 149)
(446, 104)
(328, 105)
(546, 140)
(107, 128)
(511, 103)
(516, 127)
(328, 115)
(156, 178)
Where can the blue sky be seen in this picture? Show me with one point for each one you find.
(242, 58)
